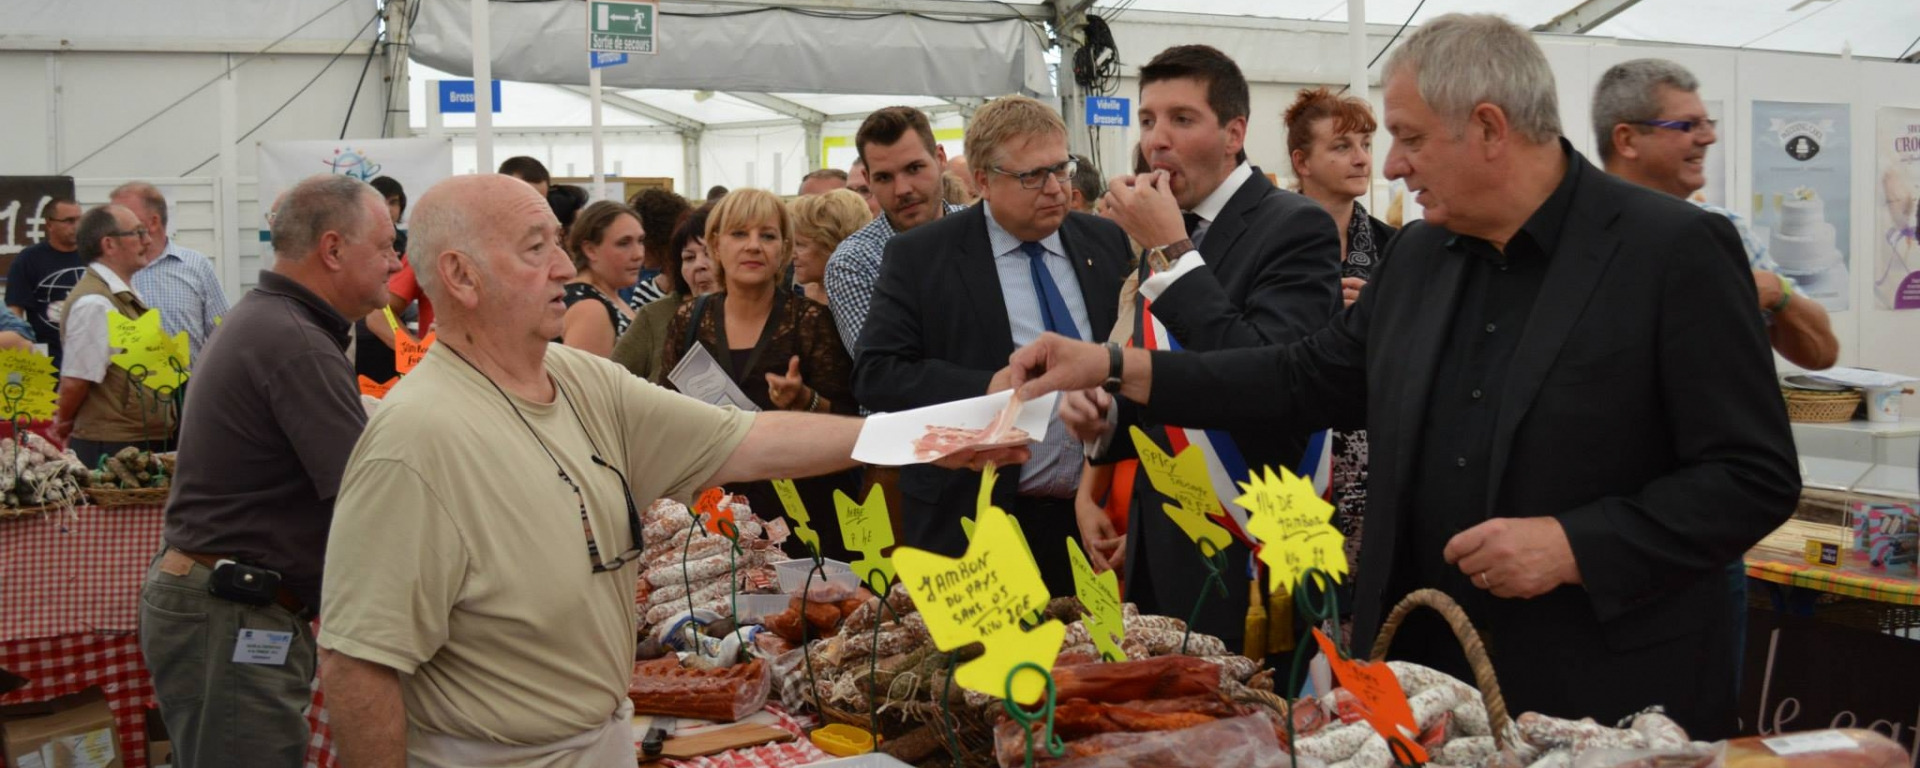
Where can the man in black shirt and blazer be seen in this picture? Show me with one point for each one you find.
(955, 298)
(1232, 262)
(1574, 419)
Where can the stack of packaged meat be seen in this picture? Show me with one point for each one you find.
(665, 581)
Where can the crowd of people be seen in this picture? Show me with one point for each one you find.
(1552, 398)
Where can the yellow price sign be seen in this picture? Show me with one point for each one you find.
(797, 512)
(866, 529)
(1294, 527)
(28, 388)
(1183, 479)
(156, 360)
(1100, 596)
(982, 596)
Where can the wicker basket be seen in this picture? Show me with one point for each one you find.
(14, 512)
(1469, 638)
(109, 498)
(1817, 407)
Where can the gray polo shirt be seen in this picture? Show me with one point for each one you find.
(272, 412)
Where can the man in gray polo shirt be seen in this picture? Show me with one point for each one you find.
(269, 422)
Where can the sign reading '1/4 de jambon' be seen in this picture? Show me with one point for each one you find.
(622, 26)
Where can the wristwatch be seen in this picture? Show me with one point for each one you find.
(1114, 363)
(1161, 258)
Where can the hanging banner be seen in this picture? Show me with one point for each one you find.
(1896, 249)
(1802, 206)
(416, 163)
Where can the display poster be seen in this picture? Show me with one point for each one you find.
(1802, 204)
(416, 163)
(1896, 247)
(1715, 192)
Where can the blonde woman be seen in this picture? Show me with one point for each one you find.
(820, 222)
(781, 350)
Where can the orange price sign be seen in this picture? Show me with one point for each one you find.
(709, 508)
(407, 353)
(1383, 701)
(375, 389)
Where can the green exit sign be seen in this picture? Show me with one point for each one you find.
(621, 26)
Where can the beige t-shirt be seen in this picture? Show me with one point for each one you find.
(457, 555)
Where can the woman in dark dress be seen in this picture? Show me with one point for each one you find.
(1330, 139)
(780, 349)
(605, 243)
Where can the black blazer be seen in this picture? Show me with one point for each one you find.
(1643, 414)
(1272, 277)
(938, 331)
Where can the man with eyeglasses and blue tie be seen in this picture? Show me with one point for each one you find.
(956, 296)
(478, 592)
(1653, 130)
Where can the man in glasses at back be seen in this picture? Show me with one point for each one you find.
(479, 586)
(957, 295)
(1653, 130)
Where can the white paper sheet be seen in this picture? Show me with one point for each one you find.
(887, 438)
(700, 377)
(1861, 377)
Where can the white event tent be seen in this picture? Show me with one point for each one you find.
(756, 94)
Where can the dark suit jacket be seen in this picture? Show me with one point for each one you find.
(1642, 414)
(1272, 277)
(938, 331)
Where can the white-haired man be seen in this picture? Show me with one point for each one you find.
(179, 281)
(1653, 130)
(1573, 419)
(479, 588)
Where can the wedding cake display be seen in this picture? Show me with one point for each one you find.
(1804, 242)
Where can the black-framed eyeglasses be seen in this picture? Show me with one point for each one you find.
(135, 232)
(1683, 126)
(1037, 178)
(633, 521)
(67, 220)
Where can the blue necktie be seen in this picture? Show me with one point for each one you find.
(1053, 307)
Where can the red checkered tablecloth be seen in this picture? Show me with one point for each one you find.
(61, 666)
(69, 574)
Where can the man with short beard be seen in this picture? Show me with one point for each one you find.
(903, 165)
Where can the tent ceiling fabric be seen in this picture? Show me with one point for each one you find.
(95, 22)
(1878, 28)
(705, 47)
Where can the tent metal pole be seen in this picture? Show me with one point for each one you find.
(1070, 26)
(1357, 48)
(482, 87)
(599, 138)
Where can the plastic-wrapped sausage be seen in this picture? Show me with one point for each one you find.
(1430, 704)
(1559, 758)
(1661, 731)
(1466, 750)
(1337, 743)
(1373, 753)
(694, 572)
